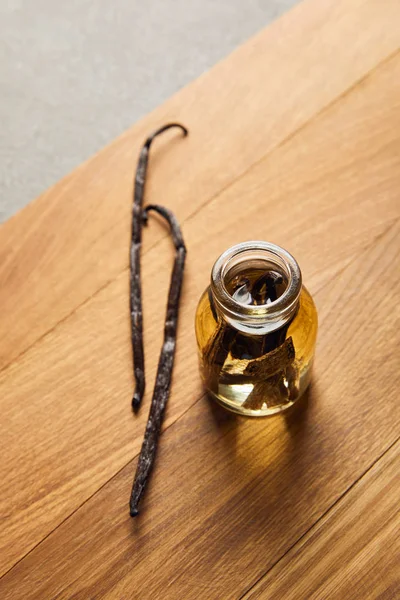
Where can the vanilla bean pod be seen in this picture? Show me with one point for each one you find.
(165, 363)
(135, 285)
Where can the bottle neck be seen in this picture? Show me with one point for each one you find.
(234, 265)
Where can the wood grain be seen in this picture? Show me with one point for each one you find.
(80, 400)
(231, 496)
(236, 113)
(313, 164)
(353, 551)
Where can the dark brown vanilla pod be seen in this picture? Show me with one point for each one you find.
(135, 283)
(165, 364)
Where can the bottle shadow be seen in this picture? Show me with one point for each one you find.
(270, 462)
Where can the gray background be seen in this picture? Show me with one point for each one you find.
(75, 74)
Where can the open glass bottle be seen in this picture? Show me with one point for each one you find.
(256, 328)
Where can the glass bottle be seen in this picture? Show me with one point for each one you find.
(256, 329)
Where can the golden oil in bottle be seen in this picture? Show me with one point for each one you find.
(256, 327)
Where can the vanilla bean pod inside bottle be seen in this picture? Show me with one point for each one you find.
(256, 328)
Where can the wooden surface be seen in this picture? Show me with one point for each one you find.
(294, 138)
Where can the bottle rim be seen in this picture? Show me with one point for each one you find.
(250, 317)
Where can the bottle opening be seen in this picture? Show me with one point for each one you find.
(256, 285)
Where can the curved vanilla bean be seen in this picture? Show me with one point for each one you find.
(165, 363)
(135, 285)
